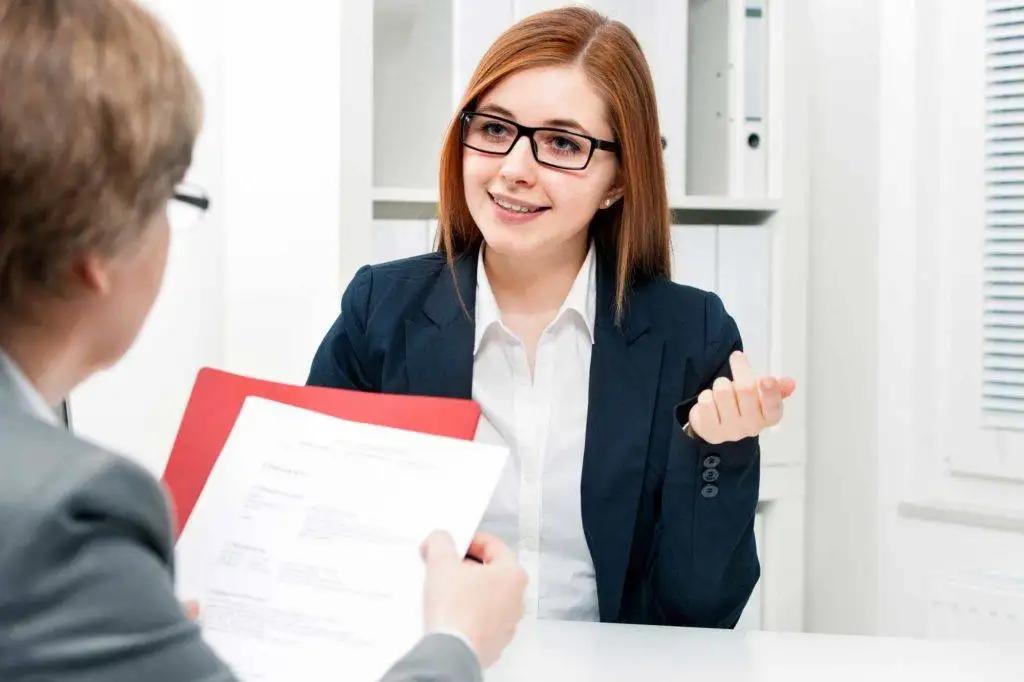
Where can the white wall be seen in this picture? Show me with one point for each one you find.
(898, 542)
(136, 406)
(285, 85)
(254, 287)
(843, 463)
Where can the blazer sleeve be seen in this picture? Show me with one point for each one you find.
(340, 360)
(437, 658)
(705, 556)
(88, 588)
(87, 575)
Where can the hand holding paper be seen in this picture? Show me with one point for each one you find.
(483, 601)
(303, 548)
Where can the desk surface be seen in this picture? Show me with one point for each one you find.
(591, 652)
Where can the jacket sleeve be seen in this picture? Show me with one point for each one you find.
(340, 361)
(705, 561)
(88, 593)
(88, 590)
(437, 658)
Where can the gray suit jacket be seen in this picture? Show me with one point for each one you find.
(86, 571)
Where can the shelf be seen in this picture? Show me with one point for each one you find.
(722, 210)
(399, 203)
(412, 204)
(722, 203)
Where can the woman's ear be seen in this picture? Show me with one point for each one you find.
(615, 191)
(613, 194)
(92, 273)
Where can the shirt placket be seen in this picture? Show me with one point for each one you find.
(534, 398)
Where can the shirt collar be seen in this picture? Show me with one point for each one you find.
(581, 300)
(25, 392)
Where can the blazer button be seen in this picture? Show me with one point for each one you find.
(711, 461)
(710, 475)
(709, 491)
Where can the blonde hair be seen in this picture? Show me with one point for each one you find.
(98, 118)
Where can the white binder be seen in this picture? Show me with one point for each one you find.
(397, 239)
(695, 256)
(727, 109)
(744, 284)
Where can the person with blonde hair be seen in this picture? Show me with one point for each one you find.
(99, 115)
(630, 409)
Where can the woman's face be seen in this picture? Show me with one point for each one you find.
(526, 209)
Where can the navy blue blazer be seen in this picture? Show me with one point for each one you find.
(669, 519)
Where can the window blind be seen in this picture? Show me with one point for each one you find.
(1002, 400)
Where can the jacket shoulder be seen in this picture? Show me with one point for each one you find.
(53, 479)
(679, 309)
(395, 285)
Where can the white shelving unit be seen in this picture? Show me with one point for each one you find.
(737, 194)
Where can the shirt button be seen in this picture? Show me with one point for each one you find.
(709, 491)
(710, 475)
(711, 461)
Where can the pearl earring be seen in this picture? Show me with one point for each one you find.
(607, 203)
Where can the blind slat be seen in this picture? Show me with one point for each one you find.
(996, 276)
(1004, 377)
(1005, 334)
(995, 7)
(999, 148)
(997, 363)
(1004, 391)
(1005, 305)
(1000, 205)
(1002, 34)
(1005, 262)
(1004, 291)
(996, 248)
(999, 404)
(1004, 119)
(1005, 86)
(1005, 318)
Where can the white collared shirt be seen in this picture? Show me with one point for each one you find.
(26, 391)
(536, 508)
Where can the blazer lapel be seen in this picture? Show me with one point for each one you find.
(624, 376)
(439, 344)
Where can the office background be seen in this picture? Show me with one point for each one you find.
(849, 241)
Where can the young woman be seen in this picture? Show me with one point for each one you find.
(631, 414)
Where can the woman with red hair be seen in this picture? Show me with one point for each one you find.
(629, 408)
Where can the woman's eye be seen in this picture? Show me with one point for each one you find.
(565, 145)
(494, 129)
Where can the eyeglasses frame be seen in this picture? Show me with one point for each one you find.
(200, 201)
(528, 132)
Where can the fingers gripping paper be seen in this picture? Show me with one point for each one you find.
(300, 512)
(303, 547)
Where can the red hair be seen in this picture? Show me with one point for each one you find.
(634, 233)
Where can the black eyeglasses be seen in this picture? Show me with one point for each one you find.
(553, 147)
(193, 196)
(188, 205)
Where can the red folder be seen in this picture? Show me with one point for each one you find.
(217, 399)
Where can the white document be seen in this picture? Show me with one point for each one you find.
(303, 548)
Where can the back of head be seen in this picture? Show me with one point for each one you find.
(634, 234)
(98, 118)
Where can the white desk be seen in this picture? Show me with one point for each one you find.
(586, 652)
